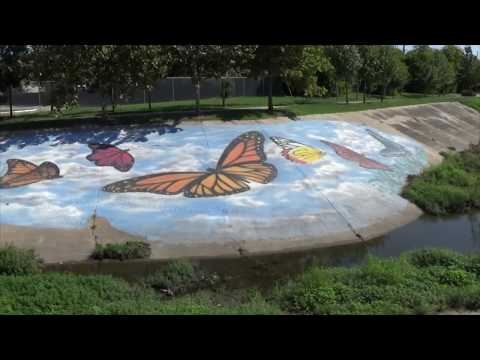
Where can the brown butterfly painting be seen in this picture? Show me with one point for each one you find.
(22, 172)
(242, 162)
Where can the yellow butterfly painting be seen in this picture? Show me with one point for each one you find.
(298, 152)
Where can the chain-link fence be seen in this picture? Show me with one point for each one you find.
(169, 89)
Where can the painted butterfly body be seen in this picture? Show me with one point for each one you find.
(351, 155)
(242, 162)
(22, 172)
(297, 152)
(110, 155)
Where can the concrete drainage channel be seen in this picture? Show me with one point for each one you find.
(208, 189)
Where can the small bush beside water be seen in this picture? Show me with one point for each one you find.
(15, 261)
(179, 277)
(451, 187)
(124, 251)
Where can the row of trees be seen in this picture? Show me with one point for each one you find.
(309, 71)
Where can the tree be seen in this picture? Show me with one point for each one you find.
(274, 61)
(206, 61)
(454, 56)
(303, 77)
(63, 69)
(421, 68)
(13, 69)
(444, 73)
(346, 61)
(367, 71)
(391, 69)
(109, 71)
(469, 73)
(149, 63)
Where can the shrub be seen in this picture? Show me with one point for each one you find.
(468, 92)
(434, 257)
(451, 276)
(124, 251)
(14, 261)
(451, 187)
(179, 277)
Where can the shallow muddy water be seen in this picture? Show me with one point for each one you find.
(460, 233)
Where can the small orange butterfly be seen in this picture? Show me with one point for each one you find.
(242, 161)
(22, 172)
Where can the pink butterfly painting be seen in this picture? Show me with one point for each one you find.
(351, 155)
(110, 155)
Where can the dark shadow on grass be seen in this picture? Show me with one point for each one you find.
(142, 117)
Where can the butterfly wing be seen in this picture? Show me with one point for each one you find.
(216, 184)
(21, 173)
(170, 183)
(243, 160)
(362, 160)
(16, 168)
(110, 155)
(297, 152)
(247, 148)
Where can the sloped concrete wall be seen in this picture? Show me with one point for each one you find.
(343, 197)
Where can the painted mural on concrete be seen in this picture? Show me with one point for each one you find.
(242, 162)
(330, 175)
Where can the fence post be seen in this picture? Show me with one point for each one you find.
(173, 89)
(243, 86)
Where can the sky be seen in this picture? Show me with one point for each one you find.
(475, 48)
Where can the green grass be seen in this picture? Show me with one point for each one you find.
(212, 108)
(419, 282)
(450, 187)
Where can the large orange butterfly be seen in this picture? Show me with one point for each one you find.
(22, 172)
(242, 161)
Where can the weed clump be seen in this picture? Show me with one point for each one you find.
(124, 251)
(15, 261)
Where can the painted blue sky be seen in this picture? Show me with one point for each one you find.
(298, 190)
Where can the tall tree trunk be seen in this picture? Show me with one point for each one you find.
(113, 99)
(270, 92)
(10, 102)
(346, 92)
(364, 91)
(222, 92)
(197, 96)
(103, 105)
(149, 94)
(383, 92)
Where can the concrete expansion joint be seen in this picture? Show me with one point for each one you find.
(93, 227)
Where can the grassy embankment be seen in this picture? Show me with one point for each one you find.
(450, 187)
(420, 282)
(212, 110)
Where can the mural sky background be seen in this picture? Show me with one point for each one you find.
(299, 190)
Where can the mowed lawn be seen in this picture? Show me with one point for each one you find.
(244, 108)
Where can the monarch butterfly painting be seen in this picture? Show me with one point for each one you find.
(297, 152)
(22, 172)
(242, 162)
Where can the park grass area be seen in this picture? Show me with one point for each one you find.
(420, 282)
(239, 108)
(450, 187)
